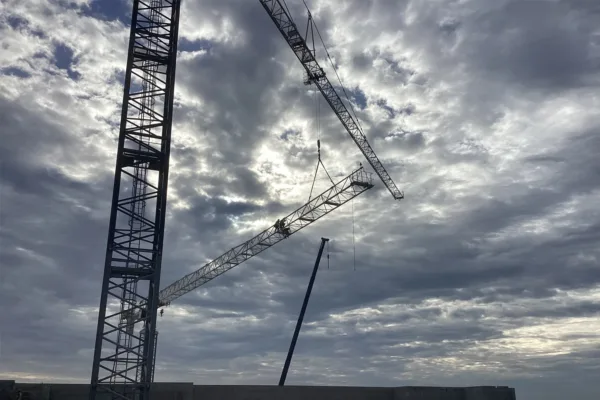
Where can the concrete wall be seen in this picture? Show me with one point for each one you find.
(189, 391)
(429, 393)
(57, 391)
(490, 393)
(454, 393)
(202, 392)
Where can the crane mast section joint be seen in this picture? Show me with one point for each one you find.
(316, 74)
(345, 190)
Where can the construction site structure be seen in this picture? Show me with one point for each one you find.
(123, 358)
(124, 353)
(189, 391)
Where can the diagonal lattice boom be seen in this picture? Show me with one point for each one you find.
(345, 190)
(316, 75)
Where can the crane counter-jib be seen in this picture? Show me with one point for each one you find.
(337, 195)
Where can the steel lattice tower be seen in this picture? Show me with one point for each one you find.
(126, 335)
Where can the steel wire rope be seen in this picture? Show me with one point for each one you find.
(333, 66)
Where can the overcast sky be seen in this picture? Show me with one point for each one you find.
(483, 111)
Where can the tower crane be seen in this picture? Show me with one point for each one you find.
(315, 74)
(123, 362)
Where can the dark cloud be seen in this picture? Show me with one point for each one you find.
(520, 43)
(64, 60)
(15, 71)
(108, 10)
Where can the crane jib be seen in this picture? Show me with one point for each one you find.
(337, 195)
(291, 34)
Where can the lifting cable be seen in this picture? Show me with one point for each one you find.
(328, 254)
(318, 129)
(318, 113)
(332, 65)
(313, 23)
(353, 241)
(317, 170)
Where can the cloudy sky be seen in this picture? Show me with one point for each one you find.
(483, 111)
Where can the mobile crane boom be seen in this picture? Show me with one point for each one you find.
(345, 190)
(316, 75)
(288, 359)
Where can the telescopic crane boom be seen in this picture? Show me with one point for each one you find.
(345, 190)
(316, 75)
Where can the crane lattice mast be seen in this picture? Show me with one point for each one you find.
(123, 365)
(342, 192)
(316, 75)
